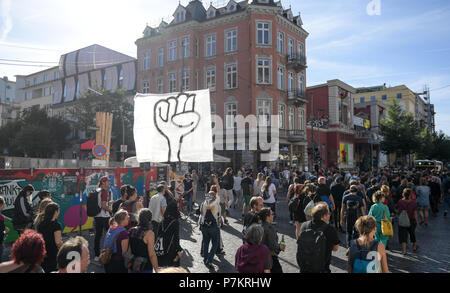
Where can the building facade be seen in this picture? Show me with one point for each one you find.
(408, 100)
(59, 88)
(331, 134)
(8, 106)
(250, 55)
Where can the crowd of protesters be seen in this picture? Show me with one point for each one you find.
(142, 235)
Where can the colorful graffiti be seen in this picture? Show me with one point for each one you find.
(69, 188)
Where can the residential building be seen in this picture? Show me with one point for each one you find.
(7, 90)
(252, 58)
(334, 141)
(58, 88)
(408, 100)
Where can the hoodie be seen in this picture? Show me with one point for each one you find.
(251, 258)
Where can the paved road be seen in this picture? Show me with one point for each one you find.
(433, 255)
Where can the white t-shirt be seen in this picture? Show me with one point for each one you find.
(286, 174)
(157, 202)
(237, 183)
(272, 190)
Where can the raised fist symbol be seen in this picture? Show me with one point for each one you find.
(175, 119)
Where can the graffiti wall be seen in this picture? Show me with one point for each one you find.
(69, 188)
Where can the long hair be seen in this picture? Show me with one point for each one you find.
(49, 213)
(228, 171)
(267, 184)
(23, 192)
(259, 177)
(40, 216)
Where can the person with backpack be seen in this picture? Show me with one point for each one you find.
(253, 257)
(168, 247)
(117, 239)
(270, 238)
(290, 197)
(23, 212)
(131, 205)
(367, 255)
(99, 208)
(352, 208)
(316, 241)
(269, 191)
(299, 205)
(51, 230)
(407, 220)
(209, 219)
(142, 244)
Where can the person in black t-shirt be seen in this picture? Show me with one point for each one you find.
(247, 191)
(51, 231)
(337, 190)
(252, 217)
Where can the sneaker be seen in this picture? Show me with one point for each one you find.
(209, 266)
(220, 252)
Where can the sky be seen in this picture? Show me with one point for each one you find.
(396, 42)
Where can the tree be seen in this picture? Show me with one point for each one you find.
(82, 115)
(434, 146)
(35, 134)
(400, 131)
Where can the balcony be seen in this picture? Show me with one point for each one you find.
(296, 62)
(297, 97)
(293, 135)
(296, 135)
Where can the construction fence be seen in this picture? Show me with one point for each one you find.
(70, 187)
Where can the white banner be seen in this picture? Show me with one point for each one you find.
(357, 121)
(173, 127)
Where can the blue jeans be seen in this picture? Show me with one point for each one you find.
(210, 234)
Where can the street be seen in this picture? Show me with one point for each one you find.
(433, 255)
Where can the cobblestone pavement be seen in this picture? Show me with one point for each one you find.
(433, 255)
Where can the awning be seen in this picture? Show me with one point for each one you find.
(88, 145)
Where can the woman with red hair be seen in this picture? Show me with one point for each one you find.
(27, 254)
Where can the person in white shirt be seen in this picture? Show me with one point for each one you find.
(237, 190)
(257, 185)
(209, 220)
(158, 206)
(269, 191)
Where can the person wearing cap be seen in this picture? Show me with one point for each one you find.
(337, 190)
(101, 221)
(352, 205)
(23, 216)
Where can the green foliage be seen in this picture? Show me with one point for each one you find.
(401, 133)
(82, 115)
(35, 134)
(435, 146)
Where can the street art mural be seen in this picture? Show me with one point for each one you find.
(69, 188)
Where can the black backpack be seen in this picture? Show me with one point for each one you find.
(265, 194)
(209, 218)
(294, 204)
(92, 204)
(311, 251)
(352, 207)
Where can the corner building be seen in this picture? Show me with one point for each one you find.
(250, 54)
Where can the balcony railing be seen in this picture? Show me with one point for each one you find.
(298, 62)
(293, 135)
(297, 96)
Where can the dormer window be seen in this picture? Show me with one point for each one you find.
(180, 16)
(212, 13)
(231, 6)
